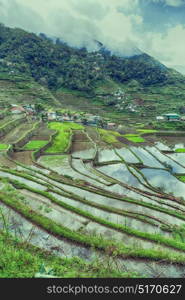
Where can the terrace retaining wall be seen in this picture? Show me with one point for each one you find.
(39, 152)
(10, 125)
(25, 139)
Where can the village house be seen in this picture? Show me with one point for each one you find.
(52, 116)
(17, 110)
(160, 118)
(171, 117)
(60, 118)
(131, 108)
(93, 120)
(111, 126)
(66, 118)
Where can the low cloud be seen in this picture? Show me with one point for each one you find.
(78, 23)
(168, 48)
(118, 24)
(174, 3)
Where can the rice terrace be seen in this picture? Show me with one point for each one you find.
(96, 195)
(92, 141)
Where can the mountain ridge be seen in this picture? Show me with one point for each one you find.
(95, 75)
(59, 65)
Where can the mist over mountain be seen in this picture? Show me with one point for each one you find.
(57, 65)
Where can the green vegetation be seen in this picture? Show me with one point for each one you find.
(153, 237)
(180, 150)
(53, 159)
(144, 131)
(134, 138)
(3, 147)
(62, 140)
(34, 145)
(103, 193)
(171, 126)
(181, 177)
(34, 55)
(109, 136)
(118, 249)
(28, 61)
(20, 260)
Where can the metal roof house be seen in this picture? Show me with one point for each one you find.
(172, 117)
(160, 118)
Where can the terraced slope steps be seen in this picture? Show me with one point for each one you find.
(98, 201)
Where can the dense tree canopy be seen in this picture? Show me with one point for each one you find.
(57, 65)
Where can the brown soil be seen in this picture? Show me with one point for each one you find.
(4, 162)
(43, 133)
(15, 134)
(23, 157)
(80, 136)
(79, 146)
(92, 133)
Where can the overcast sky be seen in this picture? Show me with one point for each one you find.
(156, 27)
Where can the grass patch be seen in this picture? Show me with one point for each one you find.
(21, 260)
(134, 138)
(181, 177)
(137, 202)
(180, 150)
(113, 248)
(3, 147)
(53, 160)
(34, 145)
(130, 231)
(143, 131)
(61, 141)
(109, 136)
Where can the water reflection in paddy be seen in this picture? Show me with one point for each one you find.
(107, 155)
(127, 155)
(146, 157)
(121, 173)
(84, 154)
(165, 180)
(161, 146)
(165, 159)
(178, 157)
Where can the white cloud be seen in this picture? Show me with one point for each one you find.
(116, 23)
(79, 22)
(169, 48)
(175, 3)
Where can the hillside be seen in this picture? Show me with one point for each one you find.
(147, 87)
(75, 198)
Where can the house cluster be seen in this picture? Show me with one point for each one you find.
(88, 119)
(131, 107)
(28, 109)
(117, 98)
(85, 119)
(170, 117)
(60, 117)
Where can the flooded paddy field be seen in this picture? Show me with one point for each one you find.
(29, 232)
(128, 197)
